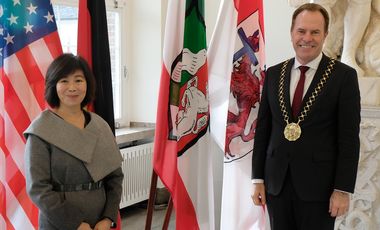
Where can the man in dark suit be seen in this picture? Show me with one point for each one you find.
(306, 148)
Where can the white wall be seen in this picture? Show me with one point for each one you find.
(277, 20)
(146, 20)
(211, 14)
(143, 58)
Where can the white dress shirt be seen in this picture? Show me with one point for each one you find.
(309, 75)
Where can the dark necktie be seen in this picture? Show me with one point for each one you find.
(297, 98)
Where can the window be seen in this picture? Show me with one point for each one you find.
(66, 15)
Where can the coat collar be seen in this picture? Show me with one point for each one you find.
(94, 145)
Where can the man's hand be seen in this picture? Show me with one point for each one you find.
(258, 194)
(339, 203)
(104, 224)
(84, 226)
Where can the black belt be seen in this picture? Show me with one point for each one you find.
(77, 187)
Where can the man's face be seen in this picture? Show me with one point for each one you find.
(308, 35)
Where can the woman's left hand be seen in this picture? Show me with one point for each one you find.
(104, 224)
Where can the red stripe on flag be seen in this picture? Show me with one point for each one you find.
(30, 209)
(84, 43)
(11, 170)
(185, 211)
(3, 206)
(54, 44)
(2, 198)
(165, 151)
(36, 80)
(84, 32)
(16, 183)
(165, 161)
(2, 137)
(14, 107)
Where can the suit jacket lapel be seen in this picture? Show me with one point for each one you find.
(287, 89)
(317, 77)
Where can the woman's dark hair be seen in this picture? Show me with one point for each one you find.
(313, 7)
(61, 67)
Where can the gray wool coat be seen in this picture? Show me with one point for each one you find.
(56, 152)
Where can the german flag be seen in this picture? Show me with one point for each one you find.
(93, 45)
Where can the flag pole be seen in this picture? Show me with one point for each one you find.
(152, 199)
(168, 214)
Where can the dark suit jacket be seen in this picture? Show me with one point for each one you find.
(326, 155)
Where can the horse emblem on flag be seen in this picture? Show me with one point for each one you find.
(189, 106)
(182, 139)
(189, 99)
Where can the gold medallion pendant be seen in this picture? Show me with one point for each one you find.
(292, 131)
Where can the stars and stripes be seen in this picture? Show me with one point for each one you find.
(28, 43)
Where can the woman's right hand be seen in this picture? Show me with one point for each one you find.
(84, 226)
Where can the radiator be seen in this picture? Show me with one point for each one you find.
(137, 169)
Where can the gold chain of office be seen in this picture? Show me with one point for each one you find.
(292, 130)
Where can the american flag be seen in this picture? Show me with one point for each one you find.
(29, 41)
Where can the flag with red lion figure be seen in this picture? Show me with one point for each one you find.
(28, 44)
(181, 156)
(237, 71)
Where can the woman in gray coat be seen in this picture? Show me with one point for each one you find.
(72, 163)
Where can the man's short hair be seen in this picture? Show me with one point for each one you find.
(313, 7)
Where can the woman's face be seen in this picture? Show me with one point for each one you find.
(72, 89)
